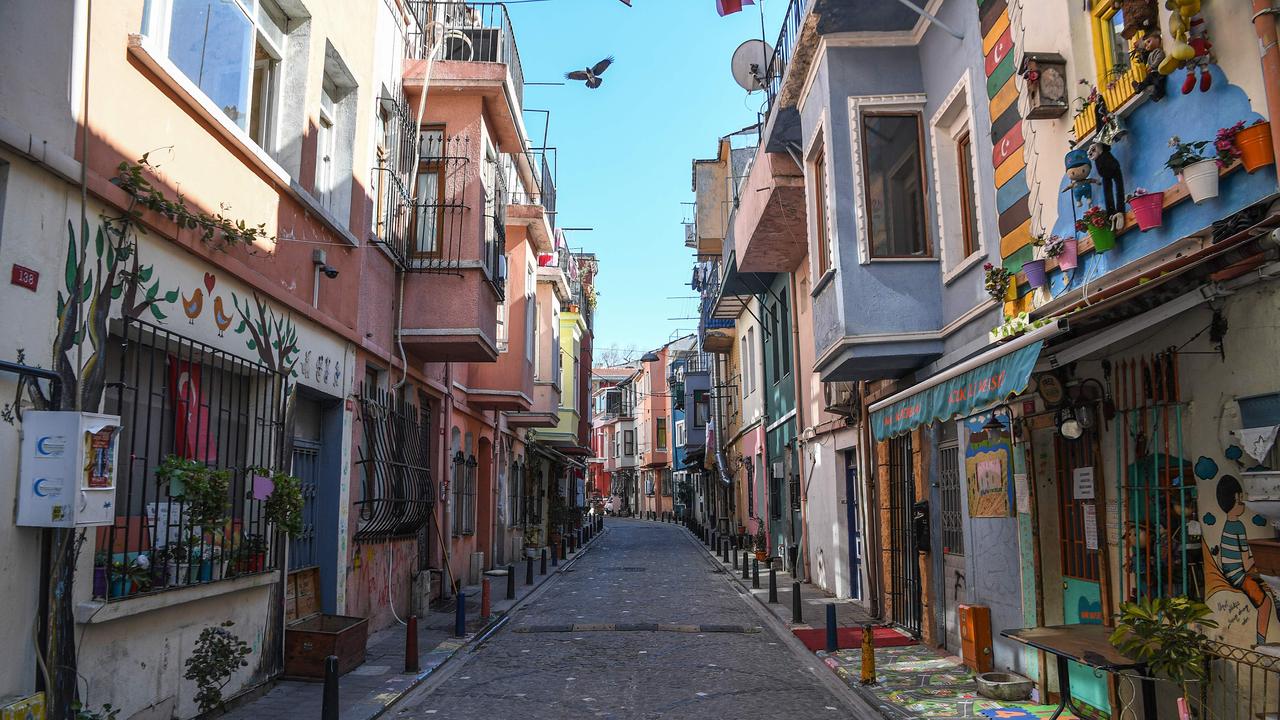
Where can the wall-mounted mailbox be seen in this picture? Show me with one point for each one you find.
(67, 475)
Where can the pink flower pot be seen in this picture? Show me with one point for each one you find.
(1034, 270)
(1068, 259)
(1148, 210)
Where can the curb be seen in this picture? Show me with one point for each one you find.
(472, 641)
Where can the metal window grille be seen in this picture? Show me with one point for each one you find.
(456, 483)
(514, 482)
(395, 461)
(904, 570)
(177, 396)
(469, 497)
(1158, 485)
(775, 492)
(438, 227)
(306, 466)
(393, 176)
(470, 32)
(1078, 561)
(750, 468)
(949, 490)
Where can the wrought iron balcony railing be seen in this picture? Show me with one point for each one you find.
(783, 49)
(469, 32)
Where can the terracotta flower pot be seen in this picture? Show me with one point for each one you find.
(1104, 238)
(1069, 257)
(1148, 210)
(1255, 146)
(1201, 179)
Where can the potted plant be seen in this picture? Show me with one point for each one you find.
(999, 283)
(215, 562)
(1251, 144)
(175, 470)
(1034, 269)
(1098, 225)
(207, 497)
(1164, 634)
(1198, 172)
(255, 553)
(283, 507)
(761, 544)
(176, 562)
(121, 580)
(140, 572)
(1065, 249)
(100, 574)
(1148, 208)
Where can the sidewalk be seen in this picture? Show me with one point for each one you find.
(367, 691)
(912, 680)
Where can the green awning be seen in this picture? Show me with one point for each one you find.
(965, 394)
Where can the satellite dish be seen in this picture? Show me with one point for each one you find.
(750, 63)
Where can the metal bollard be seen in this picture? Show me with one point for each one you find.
(460, 616)
(564, 548)
(868, 656)
(542, 565)
(329, 708)
(511, 582)
(735, 559)
(411, 645)
(486, 600)
(528, 571)
(745, 571)
(755, 574)
(832, 640)
(796, 616)
(773, 586)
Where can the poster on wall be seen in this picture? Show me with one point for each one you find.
(989, 466)
(1082, 483)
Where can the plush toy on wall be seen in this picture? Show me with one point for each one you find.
(1108, 168)
(1198, 39)
(1140, 16)
(1079, 167)
(1149, 51)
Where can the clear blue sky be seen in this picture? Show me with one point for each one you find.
(626, 147)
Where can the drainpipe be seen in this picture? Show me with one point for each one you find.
(870, 506)
(1264, 24)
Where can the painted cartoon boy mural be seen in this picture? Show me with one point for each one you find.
(1235, 559)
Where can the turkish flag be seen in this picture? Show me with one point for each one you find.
(191, 431)
(728, 7)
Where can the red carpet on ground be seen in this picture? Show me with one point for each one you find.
(851, 637)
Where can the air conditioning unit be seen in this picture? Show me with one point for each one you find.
(840, 398)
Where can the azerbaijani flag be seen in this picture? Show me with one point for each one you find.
(728, 7)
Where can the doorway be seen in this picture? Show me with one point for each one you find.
(904, 566)
(851, 518)
(317, 463)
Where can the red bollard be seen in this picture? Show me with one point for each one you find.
(411, 645)
(484, 599)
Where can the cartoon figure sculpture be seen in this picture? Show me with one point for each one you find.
(1140, 16)
(1198, 39)
(1079, 167)
(1150, 52)
(1235, 559)
(1112, 177)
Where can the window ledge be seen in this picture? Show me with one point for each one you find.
(143, 49)
(902, 259)
(96, 612)
(823, 282)
(950, 276)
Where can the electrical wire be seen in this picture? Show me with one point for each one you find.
(391, 596)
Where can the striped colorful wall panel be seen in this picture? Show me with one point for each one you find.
(1012, 204)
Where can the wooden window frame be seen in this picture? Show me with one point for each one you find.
(969, 241)
(434, 166)
(918, 116)
(822, 242)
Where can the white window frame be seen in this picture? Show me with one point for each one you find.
(858, 106)
(820, 142)
(956, 116)
(326, 153)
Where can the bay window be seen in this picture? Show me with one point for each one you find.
(893, 166)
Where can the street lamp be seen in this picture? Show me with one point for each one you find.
(649, 357)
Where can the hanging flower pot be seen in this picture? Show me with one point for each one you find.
(1254, 143)
(1201, 179)
(1068, 258)
(1097, 223)
(1104, 238)
(1034, 270)
(1148, 208)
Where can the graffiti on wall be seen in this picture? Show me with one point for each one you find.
(1240, 602)
(988, 466)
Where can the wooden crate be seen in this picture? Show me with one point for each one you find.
(312, 636)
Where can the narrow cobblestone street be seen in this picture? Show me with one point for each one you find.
(732, 664)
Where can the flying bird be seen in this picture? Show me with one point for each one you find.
(592, 74)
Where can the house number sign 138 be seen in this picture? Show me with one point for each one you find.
(24, 277)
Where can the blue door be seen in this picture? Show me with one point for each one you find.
(306, 466)
(855, 534)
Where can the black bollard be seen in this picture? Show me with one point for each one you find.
(745, 571)
(511, 582)
(542, 566)
(797, 617)
(755, 574)
(528, 571)
(411, 645)
(735, 559)
(329, 708)
(832, 641)
(555, 555)
(460, 616)
(564, 548)
(773, 586)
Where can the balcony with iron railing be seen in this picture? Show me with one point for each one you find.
(532, 197)
(471, 49)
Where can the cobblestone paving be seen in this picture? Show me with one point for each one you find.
(559, 657)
